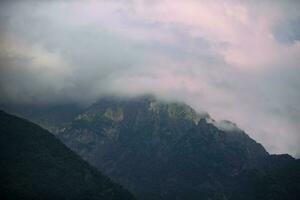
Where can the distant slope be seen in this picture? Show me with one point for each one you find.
(278, 178)
(51, 117)
(162, 150)
(36, 165)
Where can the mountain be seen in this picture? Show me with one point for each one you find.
(277, 179)
(36, 165)
(162, 150)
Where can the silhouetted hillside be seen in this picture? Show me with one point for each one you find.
(36, 165)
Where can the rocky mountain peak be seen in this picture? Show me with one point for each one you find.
(124, 136)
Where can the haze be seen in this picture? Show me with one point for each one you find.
(237, 60)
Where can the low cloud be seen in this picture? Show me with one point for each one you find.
(237, 60)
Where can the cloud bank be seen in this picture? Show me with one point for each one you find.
(238, 60)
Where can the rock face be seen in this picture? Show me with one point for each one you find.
(36, 165)
(166, 151)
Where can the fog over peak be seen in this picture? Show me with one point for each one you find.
(238, 60)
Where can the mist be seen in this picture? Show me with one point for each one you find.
(236, 60)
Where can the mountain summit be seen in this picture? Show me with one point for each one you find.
(161, 150)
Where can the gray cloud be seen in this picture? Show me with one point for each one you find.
(236, 60)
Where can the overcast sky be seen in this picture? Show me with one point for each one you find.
(238, 60)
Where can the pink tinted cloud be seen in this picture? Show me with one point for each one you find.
(240, 42)
(247, 33)
(239, 32)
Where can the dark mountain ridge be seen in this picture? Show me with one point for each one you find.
(36, 165)
(166, 150)
(161, 150)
